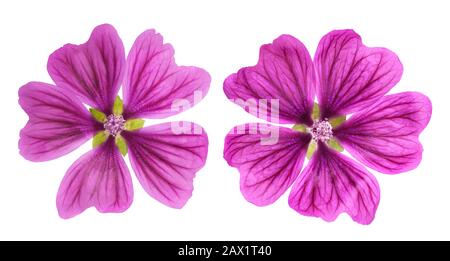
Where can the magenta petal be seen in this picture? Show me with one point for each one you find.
(269, 158)
(93, 70)
(58, 122)
(285, 73)
(385, 135)
(99, 178)
(166, 158)
(331, 184)
(155, 87)
(352, 76)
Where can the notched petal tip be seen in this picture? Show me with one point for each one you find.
(58, 123)
(266, 169)
(99, 178)
(385, 136)
(104, 27)
(155, 86)
(166, 158)
(93, 71)
(352, 76)
(331, 184)
(284, 77)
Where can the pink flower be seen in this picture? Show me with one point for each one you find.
(165, 162)
(347, 78)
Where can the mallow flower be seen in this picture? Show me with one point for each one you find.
(349, 81)
(165, 157)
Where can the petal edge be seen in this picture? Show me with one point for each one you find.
(155, 86)
(385, 136)
(166, 161)
(99, 178)
(352, 76)
(93, 70)
(282, 80)
(333, 183)
(58, 123)
(268, 157)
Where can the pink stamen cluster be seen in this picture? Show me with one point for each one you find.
(114, 124)
(321, 131)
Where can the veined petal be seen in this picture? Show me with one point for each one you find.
(385, 136)
(331, 184)
(285, 74)
(165, 159)
(99, 178)
(94, 70)
(352, 76)
(269, 158)
(58, 122)
(155, 87)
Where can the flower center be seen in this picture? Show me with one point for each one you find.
(321, 131)
(114, 124)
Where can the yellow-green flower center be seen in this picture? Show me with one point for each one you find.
(113, 125)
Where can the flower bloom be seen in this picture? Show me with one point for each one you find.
(165, 161)
(347, 78)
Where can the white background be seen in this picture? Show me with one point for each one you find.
(222, 37)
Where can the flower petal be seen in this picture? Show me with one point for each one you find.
(331, 184)
(269, 158)
(166, 158)
(385, 135)
(352, 76)
(99, 178)
(155, 87)
(58, 122)
(285, 73)
(93, 70)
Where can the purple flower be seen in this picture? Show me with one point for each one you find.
(347, 78)
(165, 161)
